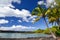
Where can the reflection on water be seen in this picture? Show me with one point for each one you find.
(21, 35)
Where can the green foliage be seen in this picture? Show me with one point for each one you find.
(58, 32)
(39, 31)
(46, 31)
(54, 29)
(39, 12)
(58, 2)
(36, 19)
(36, 11)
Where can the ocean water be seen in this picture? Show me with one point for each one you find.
(21, 35)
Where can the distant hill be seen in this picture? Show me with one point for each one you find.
(11, 31)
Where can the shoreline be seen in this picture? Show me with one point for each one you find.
(30, 38)
(35, 38)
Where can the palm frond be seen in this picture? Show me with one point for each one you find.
(48, 11)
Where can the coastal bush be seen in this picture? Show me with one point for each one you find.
(39, 31)
(46, 31)
(58, 32)
(53, 29)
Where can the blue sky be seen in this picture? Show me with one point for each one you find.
(16, 15)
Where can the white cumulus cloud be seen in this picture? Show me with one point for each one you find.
(9, 12)
(49, 3)
(40, 2)
(8, 2)
(18, 28)
(6, 11)
(2, 21)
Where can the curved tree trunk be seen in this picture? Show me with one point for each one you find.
(58, 23)
(55, 23)
(53, 35)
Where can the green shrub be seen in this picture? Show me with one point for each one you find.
(39, 31)
(58, 32)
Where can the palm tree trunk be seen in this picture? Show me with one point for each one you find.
(59, 21)
(58, 24)
(55, 23)
(50, 30)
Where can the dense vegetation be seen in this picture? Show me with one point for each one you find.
(54, 29)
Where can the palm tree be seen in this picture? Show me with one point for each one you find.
(42, 13)
(54, 16)
(58, 12)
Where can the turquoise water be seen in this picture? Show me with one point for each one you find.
(21, 35)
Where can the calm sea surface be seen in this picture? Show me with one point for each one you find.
(21, 35)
